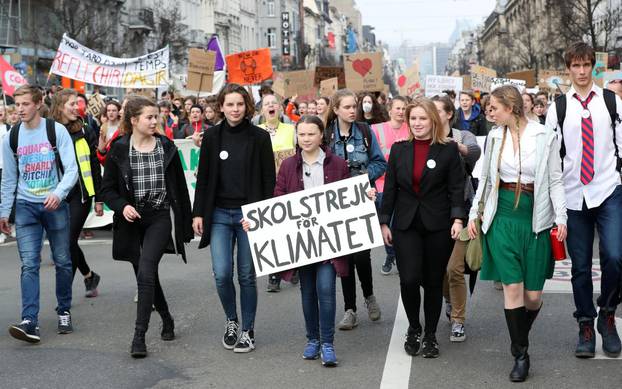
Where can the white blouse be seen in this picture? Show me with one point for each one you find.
(510, 166)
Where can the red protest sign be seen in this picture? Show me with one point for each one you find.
(11, 79)
(249, 67)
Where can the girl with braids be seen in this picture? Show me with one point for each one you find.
(144, 185)
(525, 198)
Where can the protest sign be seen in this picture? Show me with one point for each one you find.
(600, 67)
(481, 78)
(96, 105)
(435, 85)
(554, 79)
(249, 67)
(282, 155)
(11, 79)
(529, 76)
(329, 87)
(497, 82)
(297, 83)
(325, 72)
(313, 225)
(409, 83)
(612, 75)
(80, 63)
(364, 72)
(200, 69)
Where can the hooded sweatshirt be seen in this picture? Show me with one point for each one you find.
(476, 122)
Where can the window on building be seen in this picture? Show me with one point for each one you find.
(271, 34)
(271, 8)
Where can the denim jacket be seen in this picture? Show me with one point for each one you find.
(373, 162)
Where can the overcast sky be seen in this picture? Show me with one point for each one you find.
(420, 21)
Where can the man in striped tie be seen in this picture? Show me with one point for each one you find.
(587, 120)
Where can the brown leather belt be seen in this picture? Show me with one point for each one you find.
(512, 186)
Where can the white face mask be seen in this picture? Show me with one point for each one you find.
(367, 107)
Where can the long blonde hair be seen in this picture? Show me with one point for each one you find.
(430, 109)
(510, 97)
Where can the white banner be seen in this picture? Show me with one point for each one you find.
(189, 155)
(519, 84)
(313, 225)
(435, 85)
(80, 63)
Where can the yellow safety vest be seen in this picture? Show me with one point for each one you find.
(83, 156)
(283, 139)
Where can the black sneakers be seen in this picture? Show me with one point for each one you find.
(246, 343)
(606, 326)
(91, 284)
(26, 331)
(413, 341)
(64, 323)
(232, 329)
(430, 347)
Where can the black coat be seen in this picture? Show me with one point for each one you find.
(117, 192)
(260, 172)
(441, 193)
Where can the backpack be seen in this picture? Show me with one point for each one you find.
(610, 102)
(50, 127)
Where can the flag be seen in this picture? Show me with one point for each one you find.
(220, 68)
(11, 79)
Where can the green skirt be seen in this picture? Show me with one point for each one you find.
(512, 253)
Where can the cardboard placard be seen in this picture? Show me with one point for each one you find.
(249, 67)
(529, 76)
(329, 87)
(282, 155)
(310, 226)
(409, 83)
(466, 82)
(96, 105)
(600, 67)
(200, 69)
(481, 78)
(435, 85)
(552, 79)
(497, 82)
(364, 72)
(325, 72)
(299, 82)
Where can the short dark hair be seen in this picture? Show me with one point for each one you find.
(239, 89)
(197, 106)
(469, 93)
(579, 51)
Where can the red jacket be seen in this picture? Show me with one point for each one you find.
(289, 180)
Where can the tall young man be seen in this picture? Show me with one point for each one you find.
(594, 196)
(387, 133)
(38, 186)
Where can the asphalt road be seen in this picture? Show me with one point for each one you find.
(96, 355)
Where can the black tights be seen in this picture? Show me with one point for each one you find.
(422, 257)
(362, 262)
(155, 229)
(78, 212)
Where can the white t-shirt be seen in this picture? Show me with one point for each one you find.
(510, 163)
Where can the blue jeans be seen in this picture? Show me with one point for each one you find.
(226, 231)
(30, 221)
(388, 249)
(317, 287)
(608, 221)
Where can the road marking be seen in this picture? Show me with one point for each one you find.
(396, 373)
(83, 242)
(599, 343)
(561, 281)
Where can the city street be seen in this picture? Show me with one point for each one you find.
(371, 356)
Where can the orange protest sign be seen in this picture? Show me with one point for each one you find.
(249, 67)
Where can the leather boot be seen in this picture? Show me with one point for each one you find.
(168, 326)
(518, 327)
(139, 348)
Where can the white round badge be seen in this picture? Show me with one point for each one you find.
(586, 114)
(431, 163)
(224, 155)
(350, 148)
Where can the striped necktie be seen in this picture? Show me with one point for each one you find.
(587, 137)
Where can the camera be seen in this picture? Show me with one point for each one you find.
(356, 168)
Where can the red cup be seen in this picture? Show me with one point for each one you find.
(558, 248)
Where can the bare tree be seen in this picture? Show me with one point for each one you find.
(170, 31)
(524, 42)
(593, 20)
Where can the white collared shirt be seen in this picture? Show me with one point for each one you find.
(606, 178)
(511, 164)
(313, 174)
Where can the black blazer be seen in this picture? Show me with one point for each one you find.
(260, 172)
(441, 195)
(117, 192)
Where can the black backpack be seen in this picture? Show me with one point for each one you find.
(50, 127)
(610, 102)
